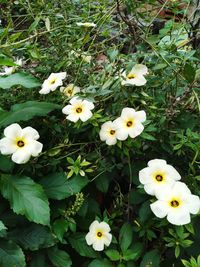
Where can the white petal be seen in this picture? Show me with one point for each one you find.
(104, 227)
(73, 117)
(88, 104)
(140, 115)
(86, 115)
(121, 134)
(140, 69)
(93, 226)
(182, 188)
(90, 238)
(136, 130)
(107, 239)
(127, 112)
(111, 141)
(159, 208)
(21, 156)
(179, 216)
(67, 109)
(30, 133)
(138, 81)
(144, 176)
(157, 187)
(75, 100)
(98, 245)
(13, 131)
(157, 163)
(172, 172)
(7, 146)
(35, 148)
(45, 90)
(193, 204)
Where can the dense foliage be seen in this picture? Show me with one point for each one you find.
(48, 203)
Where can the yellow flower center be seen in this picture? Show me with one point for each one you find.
(69, 92)
(112, 132)
(174, 203)
(99, 234)
(159, 177)
(129, 123)
(79, 110)
(52, 81)
(131, 76)
(20, 143)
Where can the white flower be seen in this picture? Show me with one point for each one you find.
(70, 90)
(157, 175)
(135, 76)
(54, 80)
(108, 133)
(86, 24)
(130, 123)
(78, 109)
(176, 203)
(99, 235)
(21, 143)
(10, 70)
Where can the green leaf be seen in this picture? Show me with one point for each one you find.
(102, 182)
(24, 79)
(58, 187)
(100, 263)
(186, 263)
(151, 258)
(6, 165)
(2, 226)
(5, 61)
(59, 258)
(125, 236)
(33, 237)
(78, 242)
(11, 255)
(38, 260)
(26, 111)
(189, 72)
(60, 226)
(112, 254)
(133, 253)
(26, 198)
(177, 251)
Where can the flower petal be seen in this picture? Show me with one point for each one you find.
(88, 104)
(7, 146)
(13, 131)
(107, 238)
(136, 130)
(127, 112)
(30, 133)
(93, 226)
(157, 163)
(121, 134)
(86, 115)
(159, 208)
(21, 156)
(193, 204)
(140, 69)
(140, 115)
(73, 117)
(67, 109)
(98, 245)
(35, 148)
(90, 238)
(179, 217)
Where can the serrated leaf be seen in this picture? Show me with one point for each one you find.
(26, 198)
(11, 255)
(57, 186)
(33, 237)
(59, 258)
(26, 111)
(78, 242)
(23, 79)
